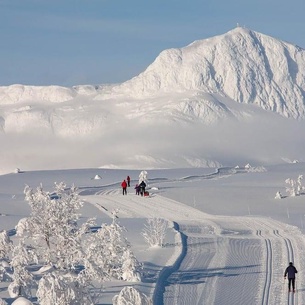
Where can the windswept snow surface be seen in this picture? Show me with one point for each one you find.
(228, 241)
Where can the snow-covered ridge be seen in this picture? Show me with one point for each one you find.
(20, 93)
(244, 65)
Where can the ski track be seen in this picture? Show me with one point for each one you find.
(246, 255)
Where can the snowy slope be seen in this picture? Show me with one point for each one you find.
(228, 242)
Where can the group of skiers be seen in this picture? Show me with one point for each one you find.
(140, 188)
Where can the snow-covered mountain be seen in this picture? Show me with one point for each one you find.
(244, 65)
(216, 101)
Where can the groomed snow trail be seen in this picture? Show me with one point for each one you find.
(224, 260)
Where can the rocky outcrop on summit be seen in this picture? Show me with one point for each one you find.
(243, 65)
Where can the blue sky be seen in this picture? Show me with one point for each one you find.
(76, 42)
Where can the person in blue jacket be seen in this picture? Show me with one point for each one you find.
(291, 271)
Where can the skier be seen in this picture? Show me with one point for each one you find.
(142, 188)
(291, 272)
(124, 187)
(128, 180)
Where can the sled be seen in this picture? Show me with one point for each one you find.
(146, 194)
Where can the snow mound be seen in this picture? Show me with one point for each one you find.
(130, 295)
(33, 121)
(19, 93)
(22, 301)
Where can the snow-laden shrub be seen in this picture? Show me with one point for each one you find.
(22, 227)
(62, 289)
(278, 195)
(5, 244)
(130, 267)
(294, 187)
(108, 254)
(5, 271)
(23, 280)
(154, 231)
(131, 296)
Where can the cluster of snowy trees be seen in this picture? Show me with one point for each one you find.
(60, 261)
(294, 188)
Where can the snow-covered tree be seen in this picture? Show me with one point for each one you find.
(54, 236)
(106, 254)
(130, 295)
(53, 226)
(130, 267)
(5, 245)
(62, 289)
(154, 231)
(5, 250)
(23, 280)
(300, 188)
(295, 187)
(143, 177)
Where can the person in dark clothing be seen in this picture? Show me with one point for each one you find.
(124, 187)
(142, 187)
(128, 180)
(291, 272)
(137, 188)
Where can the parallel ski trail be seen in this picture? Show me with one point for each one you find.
(268, 271)
(217, 266)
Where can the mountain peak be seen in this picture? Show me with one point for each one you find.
(242, 64)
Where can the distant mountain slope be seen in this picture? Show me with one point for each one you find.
(219, 101)
(244, 65)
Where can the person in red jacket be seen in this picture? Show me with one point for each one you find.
(124, 187)
(128, 180)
